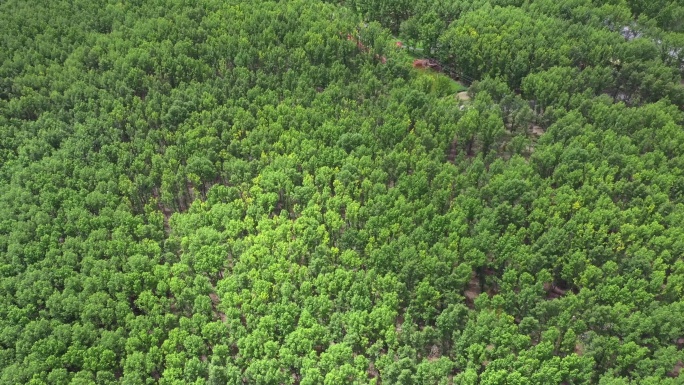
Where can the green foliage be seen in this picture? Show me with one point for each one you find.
(265, 192)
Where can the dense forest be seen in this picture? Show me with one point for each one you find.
(263, 192)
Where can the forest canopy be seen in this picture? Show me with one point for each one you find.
(262, 192)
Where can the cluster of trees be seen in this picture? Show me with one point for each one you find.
(233, 192)
(632, 51)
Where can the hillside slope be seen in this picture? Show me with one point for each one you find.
(239, 192)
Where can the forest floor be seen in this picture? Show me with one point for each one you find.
(456, 87)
